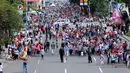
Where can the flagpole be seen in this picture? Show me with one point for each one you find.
(26, 13)
(89, 10)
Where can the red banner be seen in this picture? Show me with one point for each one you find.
(81, 1)
(31, 0)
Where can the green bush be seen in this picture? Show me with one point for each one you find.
(128, 34)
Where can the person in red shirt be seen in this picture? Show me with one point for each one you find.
(125, 45)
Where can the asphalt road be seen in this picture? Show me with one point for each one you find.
(74, 64)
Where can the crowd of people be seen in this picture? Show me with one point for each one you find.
(79, 40)
(95, 40)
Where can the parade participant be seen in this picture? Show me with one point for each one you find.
(128, 60)
(1, 68)
(42, 53)
(25, 70)
(102, 57)
(61, 52)
(89, 56)
(52, 48)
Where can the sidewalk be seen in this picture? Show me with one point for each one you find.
(5, 62)
(3, 58)
(125, 38)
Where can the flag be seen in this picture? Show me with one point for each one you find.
(117, 15)
(117, 11)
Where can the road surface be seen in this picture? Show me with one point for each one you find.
(74, 64)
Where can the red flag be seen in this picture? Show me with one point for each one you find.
(81, 1)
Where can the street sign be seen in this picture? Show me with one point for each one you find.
(20, 7)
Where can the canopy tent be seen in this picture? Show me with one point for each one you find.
(53, 5)
(33, 12)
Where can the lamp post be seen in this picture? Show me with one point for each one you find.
(26, 12)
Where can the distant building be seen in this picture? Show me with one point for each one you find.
(36, 3)
(41, 4)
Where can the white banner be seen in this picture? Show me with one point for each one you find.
(81, 4)
(86, 3)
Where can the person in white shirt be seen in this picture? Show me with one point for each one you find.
(42, 53)
(1, 68)
(102, 57)
(128, 60)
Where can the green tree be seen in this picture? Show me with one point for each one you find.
(75, 1)
(99, 7)
(10, 21)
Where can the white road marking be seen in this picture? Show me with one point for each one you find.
(94, 59)
(35, 71)
(65, 70)
(38, 61)
(65, 60)
(100, 70)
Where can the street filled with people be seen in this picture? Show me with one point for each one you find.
(76, 38)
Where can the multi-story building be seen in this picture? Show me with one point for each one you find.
(41, 4)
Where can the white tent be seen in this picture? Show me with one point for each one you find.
(33, 12)
(53, 5)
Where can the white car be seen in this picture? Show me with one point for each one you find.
(62, 21)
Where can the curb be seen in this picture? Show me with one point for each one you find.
(126, 38)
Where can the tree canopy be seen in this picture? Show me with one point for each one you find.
(10, 21)
(97, 7)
